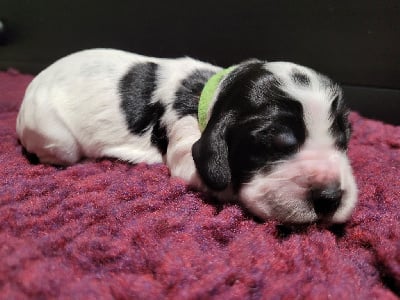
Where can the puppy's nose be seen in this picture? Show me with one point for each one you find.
(326, 200)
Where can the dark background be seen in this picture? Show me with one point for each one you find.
(355, 42)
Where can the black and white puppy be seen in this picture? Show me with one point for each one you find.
(275, 139)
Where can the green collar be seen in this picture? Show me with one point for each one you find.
(207, 95)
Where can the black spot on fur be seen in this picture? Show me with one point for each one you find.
(340, 128)
(159, 137)
(300, 78)
(253, 124)
(188, 95)
(256, 144)
(136, 89)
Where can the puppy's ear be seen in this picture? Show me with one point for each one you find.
(210, 152)
(210, 155)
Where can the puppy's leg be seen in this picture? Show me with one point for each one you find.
(132, 154)
(184, 133)
(49, 139)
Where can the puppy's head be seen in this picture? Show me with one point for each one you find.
(277, 136)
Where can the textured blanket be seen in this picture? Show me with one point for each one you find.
(106, 229)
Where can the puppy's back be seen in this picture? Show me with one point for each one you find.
(73, 101)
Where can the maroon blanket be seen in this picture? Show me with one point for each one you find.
(106, 229)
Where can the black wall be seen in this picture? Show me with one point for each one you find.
(355, 42)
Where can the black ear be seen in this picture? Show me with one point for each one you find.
(210, 152)
(210, 155)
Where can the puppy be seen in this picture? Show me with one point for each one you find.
(272, 135)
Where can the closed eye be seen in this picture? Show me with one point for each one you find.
(278, 139)
(284, 141)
